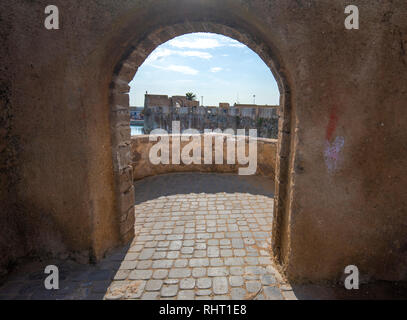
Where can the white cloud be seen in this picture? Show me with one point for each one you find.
(234, 43)
(161, 53)
(197, 54)
(197, 43)
(182, 69)
(177, 68)
(204, 41)
(216, 69)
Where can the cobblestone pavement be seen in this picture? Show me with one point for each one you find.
(210, 241)
(198, 236)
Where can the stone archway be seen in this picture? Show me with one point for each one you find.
(61, 191)
(138, 51)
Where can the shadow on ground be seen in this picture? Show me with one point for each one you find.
(380, 290)
(76, 281)
(198, 236)
(187, 183)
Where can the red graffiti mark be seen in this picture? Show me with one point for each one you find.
(333, 122)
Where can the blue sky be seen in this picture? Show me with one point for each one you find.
(210, 65)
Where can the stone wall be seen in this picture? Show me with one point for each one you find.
(142, 166)
(265, 120)
(154, 100)
(341, 169)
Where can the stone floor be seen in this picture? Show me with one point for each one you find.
(198, 236)
(208, 237)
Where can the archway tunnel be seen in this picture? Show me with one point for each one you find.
(67, 183)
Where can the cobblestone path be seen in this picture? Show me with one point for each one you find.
(198, 236)
(211, 242)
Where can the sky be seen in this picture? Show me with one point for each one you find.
(213, 66)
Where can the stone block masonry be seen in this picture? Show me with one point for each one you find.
(142, 166)
(264, 119)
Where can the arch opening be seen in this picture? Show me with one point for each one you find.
(218, 82)
(137, 52)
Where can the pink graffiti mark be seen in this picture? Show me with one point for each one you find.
(333, 122)
(332, 153)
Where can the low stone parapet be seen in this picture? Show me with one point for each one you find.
(143, 167)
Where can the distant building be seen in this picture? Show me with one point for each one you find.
(137, 116)
(161, 111)
(154, 100)
(253, 106)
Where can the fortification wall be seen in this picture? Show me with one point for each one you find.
(265, 120)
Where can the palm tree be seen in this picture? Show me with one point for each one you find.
(190, 96)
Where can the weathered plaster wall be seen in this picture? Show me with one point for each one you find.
(341, 178)
(142, 166)
(61, 195)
